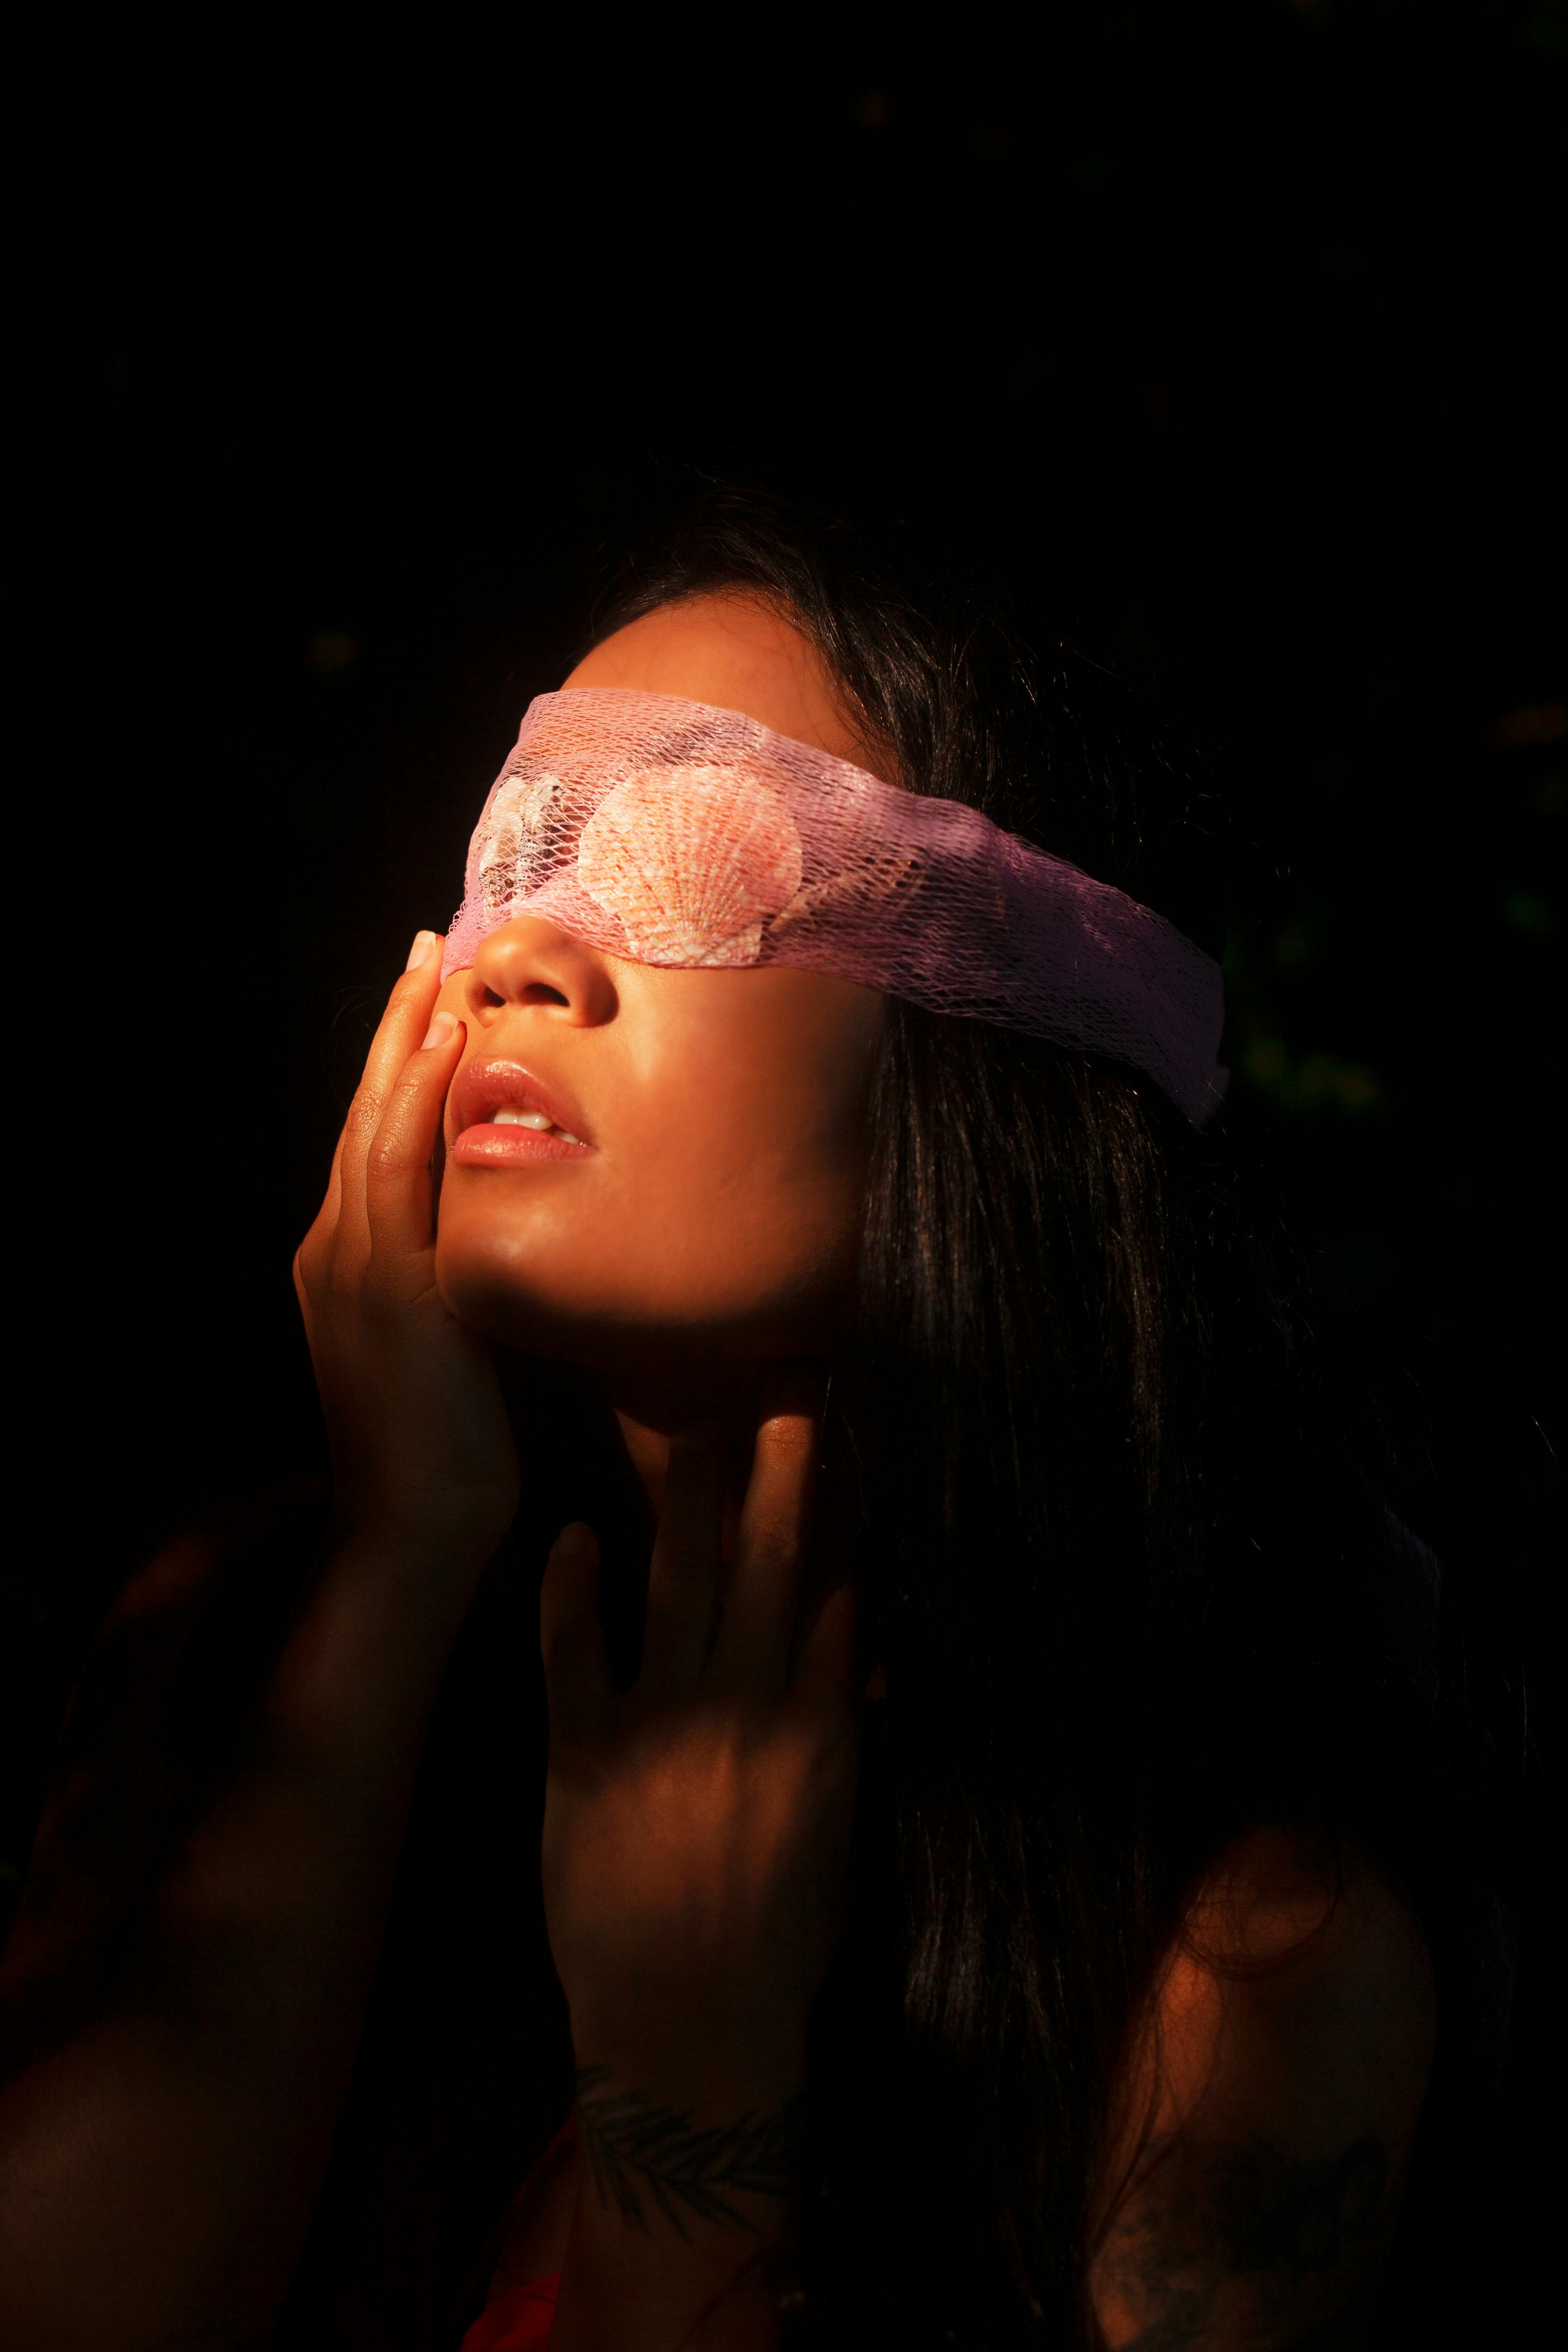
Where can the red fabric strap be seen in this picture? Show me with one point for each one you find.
(519, 2318)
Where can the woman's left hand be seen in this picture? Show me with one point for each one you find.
(697, 1826)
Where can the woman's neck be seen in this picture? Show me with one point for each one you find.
(648, 1450)
(647, 1447)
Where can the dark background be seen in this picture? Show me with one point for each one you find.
(347, 364)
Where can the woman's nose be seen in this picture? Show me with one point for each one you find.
(530, 962)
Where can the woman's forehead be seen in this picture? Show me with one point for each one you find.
(736, 653)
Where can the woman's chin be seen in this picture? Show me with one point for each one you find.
(509, 1317)
(526, 1322)
(631, 1358)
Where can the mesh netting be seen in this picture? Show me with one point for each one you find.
(671, 832)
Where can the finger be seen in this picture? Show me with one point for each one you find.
(404, 1022)
(577, 1679)
(824, 1678)
(328, 1212)
(406, 1016)
(760, 1599)
(310, 1257)
(398, 1189)
(687, 1553)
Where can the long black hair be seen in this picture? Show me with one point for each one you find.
(1129, 1593)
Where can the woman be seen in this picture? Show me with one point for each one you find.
(989, 1891)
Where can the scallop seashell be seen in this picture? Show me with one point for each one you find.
(518, 845)
(693, 860)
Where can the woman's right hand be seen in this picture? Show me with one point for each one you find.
(422, 1451)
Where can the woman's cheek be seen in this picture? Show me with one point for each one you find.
(740, 1232)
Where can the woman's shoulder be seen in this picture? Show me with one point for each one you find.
(1267, 2100)
(1286, 1898)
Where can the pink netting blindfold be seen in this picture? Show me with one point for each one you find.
(671, 832)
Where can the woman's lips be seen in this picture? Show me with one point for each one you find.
(506, 1116)
(485, 1145)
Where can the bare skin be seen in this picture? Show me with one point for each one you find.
(158, 2169)
(1264, 2114)
(711, 1232)
(1265, 2110)
(695, 1832)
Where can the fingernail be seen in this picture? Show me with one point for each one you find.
(420, 951)
(439, 1033)
(574, 1541)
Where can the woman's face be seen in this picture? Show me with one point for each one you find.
(704, 1213)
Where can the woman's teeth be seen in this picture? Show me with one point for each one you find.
(535, 1118)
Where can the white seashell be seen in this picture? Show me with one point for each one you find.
(693, 860)
(517, 846)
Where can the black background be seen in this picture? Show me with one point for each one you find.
(347, 360)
